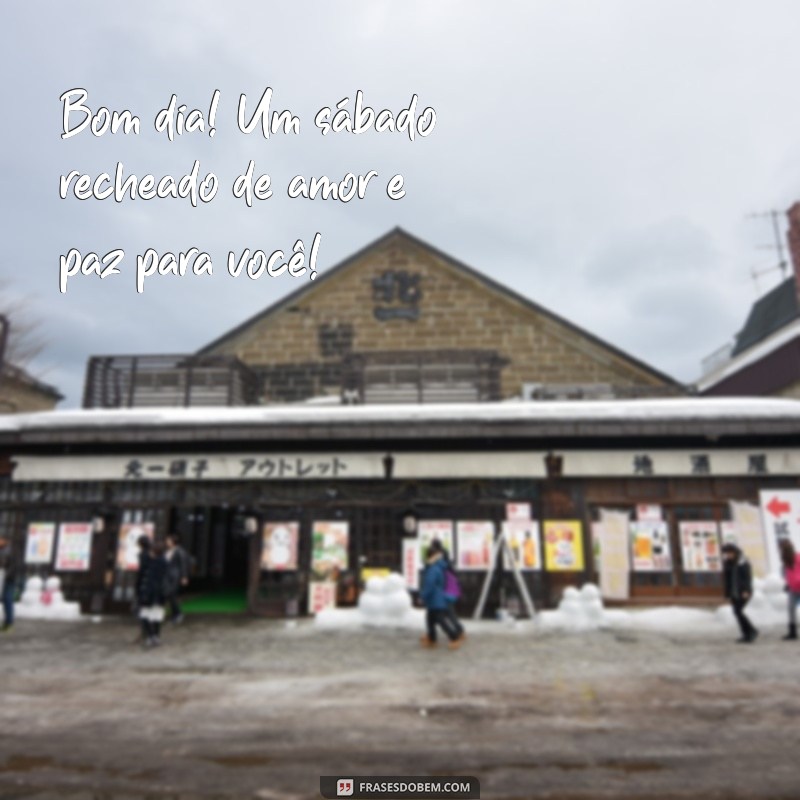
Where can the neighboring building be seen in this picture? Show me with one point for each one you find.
(765, 357)
(21, 392)
(398, 321)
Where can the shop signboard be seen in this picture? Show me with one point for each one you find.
(279, 546)
(329, 549)
(74, 552)
(128, 545)
(650, 548)
(475, 544)
(700, 546)
(563, 545)
(522, 536)
(39, 543)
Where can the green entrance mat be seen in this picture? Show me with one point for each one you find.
(225, 601)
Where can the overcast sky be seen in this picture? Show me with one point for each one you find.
(598, 157)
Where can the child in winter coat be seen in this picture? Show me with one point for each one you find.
(791, 573)
(434, 597)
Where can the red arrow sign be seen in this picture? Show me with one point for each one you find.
(777, 507)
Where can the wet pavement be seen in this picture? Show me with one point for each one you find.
(244, 708)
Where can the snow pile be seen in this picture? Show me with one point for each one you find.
(579, 610)
(768, 606)
(45, 600)
(385, 603)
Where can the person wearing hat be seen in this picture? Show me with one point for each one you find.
(739, 588)
(9, 582)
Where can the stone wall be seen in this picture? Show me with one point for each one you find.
(421, 302)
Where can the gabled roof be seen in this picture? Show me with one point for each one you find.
(768, 314)
(493, 285)
(11, 372)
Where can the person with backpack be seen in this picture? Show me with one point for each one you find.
(178, 568)
(739, 588)
(452, 592)
(435, 600)
(791, 574)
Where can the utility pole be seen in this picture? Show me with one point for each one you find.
(4, 327)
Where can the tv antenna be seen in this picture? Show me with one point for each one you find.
(782, 264)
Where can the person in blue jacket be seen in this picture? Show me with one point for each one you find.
(435, 600)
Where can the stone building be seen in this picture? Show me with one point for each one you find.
(399, 321)
(21, 392)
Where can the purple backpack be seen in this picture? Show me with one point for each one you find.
(452, 590)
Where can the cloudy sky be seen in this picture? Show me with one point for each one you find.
(599, 157)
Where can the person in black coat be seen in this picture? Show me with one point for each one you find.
(150, 594)
(8, 566)
(738, 577)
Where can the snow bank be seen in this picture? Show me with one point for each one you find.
(45, 600)
(385, 603)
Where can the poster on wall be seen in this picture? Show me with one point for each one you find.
(563, 545)
(780, 517)
(700, 546)
(518, 511)
(74, 552)
(329, 546)
(523, 540)
(430, 529)
(475, 539)
(321, 595)
(647, 512)
(279, 545)
(650, 548)
(39, 544)
(127, 548)
(610, 545)
(412, 563)
(745, 530)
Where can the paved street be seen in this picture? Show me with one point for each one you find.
(253, 709)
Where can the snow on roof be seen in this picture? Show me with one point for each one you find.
(578, 411)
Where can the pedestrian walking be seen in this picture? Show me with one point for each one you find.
(435, 600)
(738, 577)
(151, 582)
(452, 592)
(791, 574)
(8, 582)
(178, 568)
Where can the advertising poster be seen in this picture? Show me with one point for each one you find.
(475, 541)
(321, 595)
(127, 548)
(747, 532)
(39, 544)
(412, 563)
(74, 551)
(329, 546)
(523, 541)
(563, 545)
(612, 541)
(650, 549)
(430, 529)
(279, 545)
(780, 516)
(518, 511)
(646, 512)
(700, 546)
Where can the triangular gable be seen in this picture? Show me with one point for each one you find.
(497, 289)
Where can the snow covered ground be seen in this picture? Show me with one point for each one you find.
(386, 604)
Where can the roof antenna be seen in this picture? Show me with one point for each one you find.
(782, 264)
